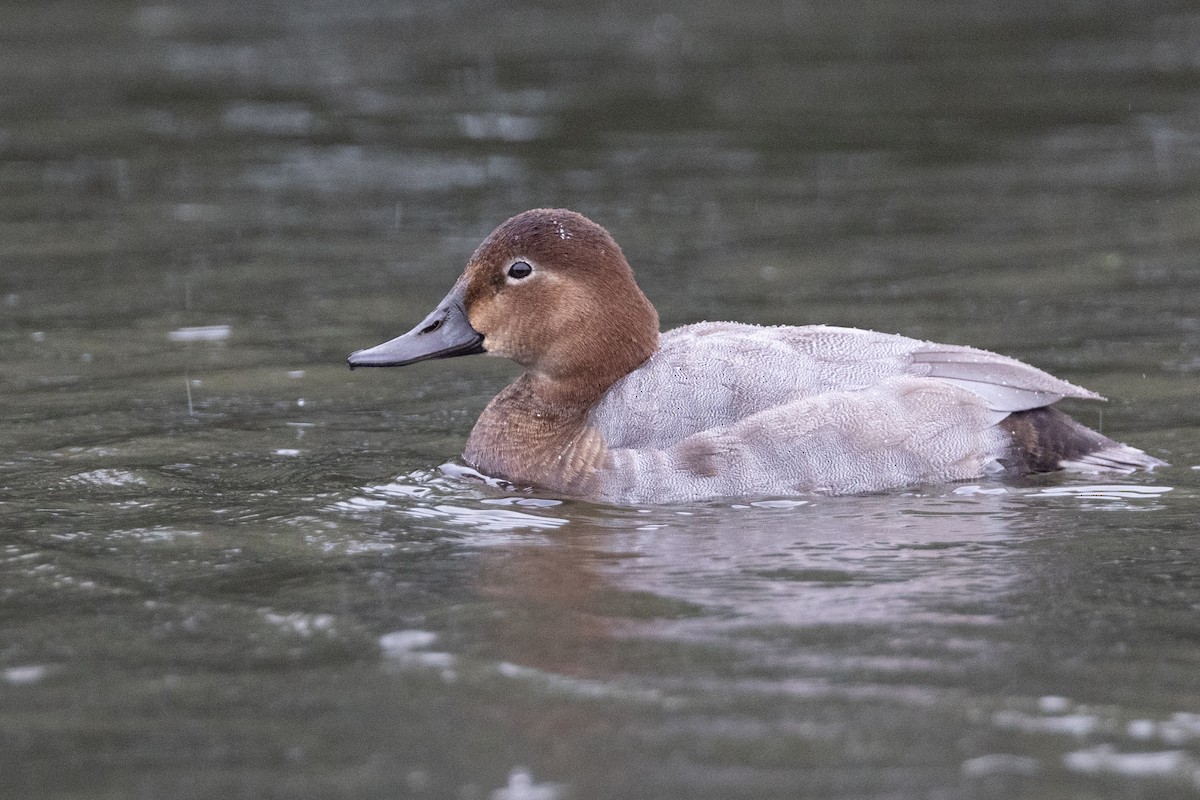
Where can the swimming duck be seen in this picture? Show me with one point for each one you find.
(610, 409)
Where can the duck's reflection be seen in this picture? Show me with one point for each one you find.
(565, 602)
(797, 640)
(549, 601)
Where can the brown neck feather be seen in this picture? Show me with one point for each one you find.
(531, 434)
(536, 431)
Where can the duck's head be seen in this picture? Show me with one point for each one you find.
(549, 289)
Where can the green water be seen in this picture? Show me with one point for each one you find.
(230, 568)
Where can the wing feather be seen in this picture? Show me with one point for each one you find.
(1004, 383)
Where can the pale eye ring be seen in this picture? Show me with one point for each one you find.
(519, 269)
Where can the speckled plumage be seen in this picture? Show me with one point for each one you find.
(726, 409)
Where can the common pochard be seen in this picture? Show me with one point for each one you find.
(608, 409)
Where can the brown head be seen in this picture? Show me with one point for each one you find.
(549, 289)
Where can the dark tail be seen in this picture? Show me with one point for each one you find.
(1046, 439)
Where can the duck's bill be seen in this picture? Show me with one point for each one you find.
(443, 334)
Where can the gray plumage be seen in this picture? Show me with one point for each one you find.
(726, 409)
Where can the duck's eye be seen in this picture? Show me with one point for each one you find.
(519, 269)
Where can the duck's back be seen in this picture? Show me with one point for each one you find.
(713, 374)
(725, 410)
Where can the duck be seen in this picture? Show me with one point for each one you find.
(611, 410)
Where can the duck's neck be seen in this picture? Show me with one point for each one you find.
(536, 432)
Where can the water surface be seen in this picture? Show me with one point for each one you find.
(232, 569)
